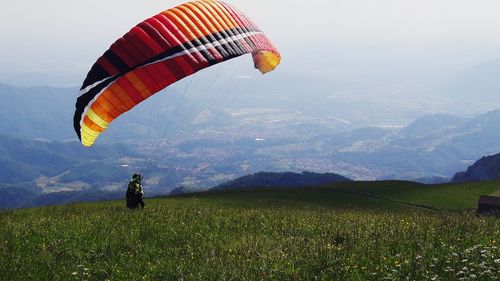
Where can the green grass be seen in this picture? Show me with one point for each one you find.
(496, 192)
(326, 233)
(443, 196)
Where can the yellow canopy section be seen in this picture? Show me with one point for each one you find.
(266, 61)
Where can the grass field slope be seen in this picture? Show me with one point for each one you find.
(345, 231)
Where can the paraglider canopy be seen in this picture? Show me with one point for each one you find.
(161, 51)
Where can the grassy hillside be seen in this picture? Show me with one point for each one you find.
(355, 231)
(443, 196)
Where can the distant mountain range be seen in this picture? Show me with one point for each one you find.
(47, 113)
(41, 172)
(30, 196)
(37, 112)
(206, 146)
(48, 162)
(432, 146)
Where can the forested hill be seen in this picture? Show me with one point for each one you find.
(287, 179)
(485, 169)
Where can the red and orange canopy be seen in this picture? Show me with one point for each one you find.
(162, 50)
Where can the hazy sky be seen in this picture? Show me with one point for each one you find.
(60, 39)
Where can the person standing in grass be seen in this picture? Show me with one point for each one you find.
(135, 193)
